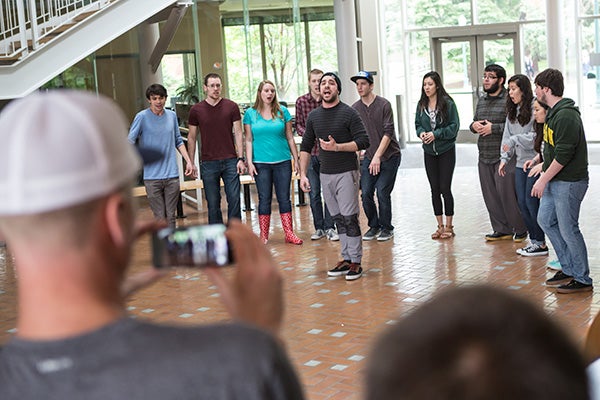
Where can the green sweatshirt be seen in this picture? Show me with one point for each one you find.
(564, 141)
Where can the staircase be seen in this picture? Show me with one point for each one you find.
(38, 40)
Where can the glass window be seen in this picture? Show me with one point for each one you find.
(244, 65)
(434, 13)
(284, 53)
(590, 72)
(282, 46)
(589, 7)
(497, 11)
(535, 49)
(323, 47)
(79, 76)
(179, 78)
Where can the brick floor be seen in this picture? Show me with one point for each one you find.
(330, 323)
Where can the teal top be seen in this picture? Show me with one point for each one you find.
(269, 144)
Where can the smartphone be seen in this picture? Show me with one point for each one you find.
(194, 246)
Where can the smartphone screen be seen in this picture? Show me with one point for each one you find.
(191, 246)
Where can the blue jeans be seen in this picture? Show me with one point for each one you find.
(528, 205)
(269, 175)
(384, 184)
(211, 173)
(321, 217)
(559, 218)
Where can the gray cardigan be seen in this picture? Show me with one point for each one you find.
(520, 141)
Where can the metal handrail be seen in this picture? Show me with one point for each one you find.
(25, 25)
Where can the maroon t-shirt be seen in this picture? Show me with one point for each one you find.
(216, 128)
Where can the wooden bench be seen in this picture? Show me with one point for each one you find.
(245, 181)
(197, 184)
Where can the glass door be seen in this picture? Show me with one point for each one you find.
(461, 60)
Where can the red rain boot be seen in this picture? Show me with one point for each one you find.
(286, 222)
(265, 222)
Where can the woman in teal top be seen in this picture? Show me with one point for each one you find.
(270, 148)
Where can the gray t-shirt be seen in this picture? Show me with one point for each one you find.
(130, 359)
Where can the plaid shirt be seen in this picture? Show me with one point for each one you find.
(492, 108)
(304, 105)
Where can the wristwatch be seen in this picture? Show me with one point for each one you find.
(243, 159)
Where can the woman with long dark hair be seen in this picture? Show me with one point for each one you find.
(437, 125)
(270, 148)
(518, 141)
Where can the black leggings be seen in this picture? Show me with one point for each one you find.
(439, 170)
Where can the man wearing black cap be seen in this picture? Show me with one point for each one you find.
(381, 159)
(340, 133)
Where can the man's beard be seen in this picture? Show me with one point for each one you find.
(333, 99)
(494, 88)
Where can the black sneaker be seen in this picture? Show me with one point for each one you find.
(519, 237)
(371, 234)
(573, 287)
(385, 235)
(560, 278)
(355, 272)
(534, 250)
(491, 237)
(340, 269)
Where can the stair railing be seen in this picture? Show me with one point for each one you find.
(25, 25)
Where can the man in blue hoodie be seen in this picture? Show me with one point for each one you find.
(563, 184)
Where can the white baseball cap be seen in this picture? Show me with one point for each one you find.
(62, 148)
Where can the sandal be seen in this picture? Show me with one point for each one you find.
(438, 234)
(448, 232)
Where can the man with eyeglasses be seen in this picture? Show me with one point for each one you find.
(498, 191)
(222, 153)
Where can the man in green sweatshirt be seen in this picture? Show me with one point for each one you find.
(563, 184)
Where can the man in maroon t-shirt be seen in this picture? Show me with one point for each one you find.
(222, 152)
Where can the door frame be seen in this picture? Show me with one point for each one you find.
(475, 35)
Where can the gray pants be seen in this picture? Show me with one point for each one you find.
(162, 197)
(340, 192)
(500, 197)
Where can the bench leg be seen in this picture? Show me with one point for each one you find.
(301, 200)
(247, 204)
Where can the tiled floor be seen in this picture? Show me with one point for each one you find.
(330, 322)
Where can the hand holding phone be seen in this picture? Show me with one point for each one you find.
(194, 246)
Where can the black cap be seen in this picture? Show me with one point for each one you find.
(363, 75)
(337, 80)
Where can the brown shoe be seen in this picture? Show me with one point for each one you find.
(438, 234)
(574, 287)
(448, 232)
(340, 269)
(559, 279)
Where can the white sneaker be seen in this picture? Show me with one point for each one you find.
(534, 250)
(524, 249)
(332, 235)
(319, 233)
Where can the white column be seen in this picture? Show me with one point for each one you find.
(372, 29)
(148, 35)
(555, 34)
(345, 29)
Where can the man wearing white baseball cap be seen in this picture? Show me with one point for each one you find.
(66, 212)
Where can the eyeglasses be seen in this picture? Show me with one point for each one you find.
(490, 77)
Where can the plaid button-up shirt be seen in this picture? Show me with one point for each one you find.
(304, 105)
